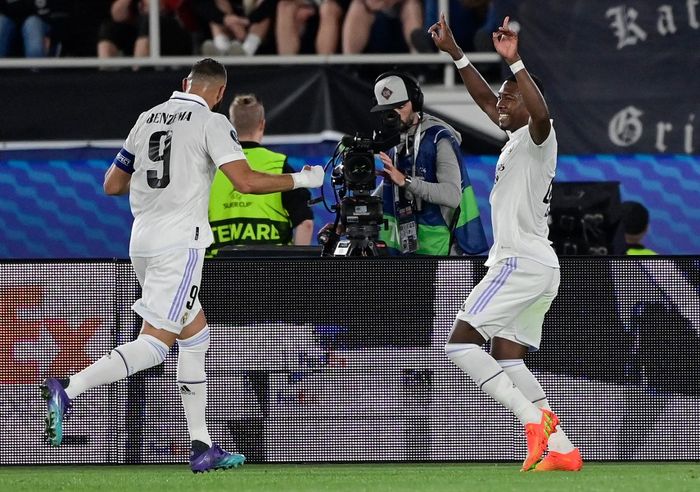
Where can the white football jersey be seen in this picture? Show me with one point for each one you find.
(520, 199)
(175, 149)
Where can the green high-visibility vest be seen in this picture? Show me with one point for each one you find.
(640, 252)
(238, 218)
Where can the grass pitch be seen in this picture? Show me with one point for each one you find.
(423, 477)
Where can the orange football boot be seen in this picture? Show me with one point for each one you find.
(537, 438)
(555, 461)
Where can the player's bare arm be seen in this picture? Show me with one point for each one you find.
(247, 180)
(116, 181)
(505, 40)
(477, 87)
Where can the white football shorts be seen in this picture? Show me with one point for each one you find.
(511, 300)
(170, 287)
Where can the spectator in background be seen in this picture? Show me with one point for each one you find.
(472, 23)
(635, 219)
(496, 11)
(236, 27)
(80, 35)
(36, 23)
(118, 34)
(126, 31)
(294, 25)
(174, 38)
(467, 17)
(368, 19)
(238, 218)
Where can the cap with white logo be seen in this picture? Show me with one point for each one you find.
(390, 93)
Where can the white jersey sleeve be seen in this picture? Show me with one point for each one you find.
(126, 156)
(130, 142)
(221, 141)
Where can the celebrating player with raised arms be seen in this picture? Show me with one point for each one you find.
(509, 304)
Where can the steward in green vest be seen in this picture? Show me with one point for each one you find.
(242, 219)
(428, 201)
(635, 220)
(639, 250)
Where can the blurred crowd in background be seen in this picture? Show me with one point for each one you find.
(110, 28)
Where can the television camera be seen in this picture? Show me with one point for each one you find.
(358, 212)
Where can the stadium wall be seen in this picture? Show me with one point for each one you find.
(53, 205)
(341, 359)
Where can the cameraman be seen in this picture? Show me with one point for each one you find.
(428, 201)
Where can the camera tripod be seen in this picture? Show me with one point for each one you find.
(361, 241)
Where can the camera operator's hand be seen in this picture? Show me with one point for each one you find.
(308, 177)
(390, 170)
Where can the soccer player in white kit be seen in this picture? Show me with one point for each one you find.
(167, 165)
(508, 306)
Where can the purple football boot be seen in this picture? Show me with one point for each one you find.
(58, 405)
(204, 458)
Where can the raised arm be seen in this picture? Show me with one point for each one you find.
(477, 87)
(506, 43)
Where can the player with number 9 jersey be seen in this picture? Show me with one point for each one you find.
(180, 144)
(167, 166)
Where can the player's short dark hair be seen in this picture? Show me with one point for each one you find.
(535, 79)
(208, 68)
(635, 217)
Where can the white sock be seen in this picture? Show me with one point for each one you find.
(144, 352)
(251, 44)
(222, 42)
(527, 383)
(192, 384)
(492, 379)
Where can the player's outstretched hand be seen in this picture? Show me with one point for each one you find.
(444, 39)
(505, 40)
(308, 177)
